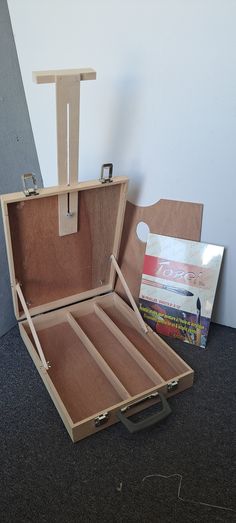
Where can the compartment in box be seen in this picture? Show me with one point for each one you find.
(153, 348)
(82, 386)
(131, 373)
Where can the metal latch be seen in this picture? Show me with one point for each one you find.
(106, 173)
(172, 385)
(29, 191)
(101, 419)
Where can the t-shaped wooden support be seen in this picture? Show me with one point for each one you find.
(67, 107)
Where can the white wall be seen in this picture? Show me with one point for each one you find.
(163, 108)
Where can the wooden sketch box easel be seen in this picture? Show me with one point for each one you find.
(99, 361)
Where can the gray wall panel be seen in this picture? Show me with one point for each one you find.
(17, 148)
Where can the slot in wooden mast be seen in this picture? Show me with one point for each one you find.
(68, 110)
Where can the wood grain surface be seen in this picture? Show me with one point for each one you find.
(166, 217)
(167, 367)
(90, 364)
(50, 267)
(131, 375)
(80, 383)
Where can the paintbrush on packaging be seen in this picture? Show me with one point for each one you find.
(178, 290)
(198, 323)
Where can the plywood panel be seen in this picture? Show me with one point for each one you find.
(80, 383)
(167, 367)
(167, 217)
(131, 375)
(50, 267)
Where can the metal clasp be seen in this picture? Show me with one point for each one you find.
(101, 419)
(172, 385)
(29, 191)
(106, 173)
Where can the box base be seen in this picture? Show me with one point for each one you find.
(100, 361)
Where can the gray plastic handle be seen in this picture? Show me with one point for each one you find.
(147, 422)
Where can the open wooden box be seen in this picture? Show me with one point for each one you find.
(101, 362)
(97, 358)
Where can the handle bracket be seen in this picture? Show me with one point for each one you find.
(147, 422)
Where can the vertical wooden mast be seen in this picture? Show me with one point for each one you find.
(68, 111)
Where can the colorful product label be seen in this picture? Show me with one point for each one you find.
(178, 287)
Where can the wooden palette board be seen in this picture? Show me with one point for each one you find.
(167, 217)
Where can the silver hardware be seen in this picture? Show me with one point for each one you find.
(29, 191)
(101, 419)
(172, 385)
(150, 397)
(106, 173)
(48, 362)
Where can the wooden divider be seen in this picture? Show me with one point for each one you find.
(131, 349)
(115, 382)
(163, 352)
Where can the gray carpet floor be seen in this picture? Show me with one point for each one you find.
(180, 471)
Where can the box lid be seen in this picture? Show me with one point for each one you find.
(55, 270)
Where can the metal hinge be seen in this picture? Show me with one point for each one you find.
(106, 173)
(101, 419)
(172, 385)
(29, 191)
